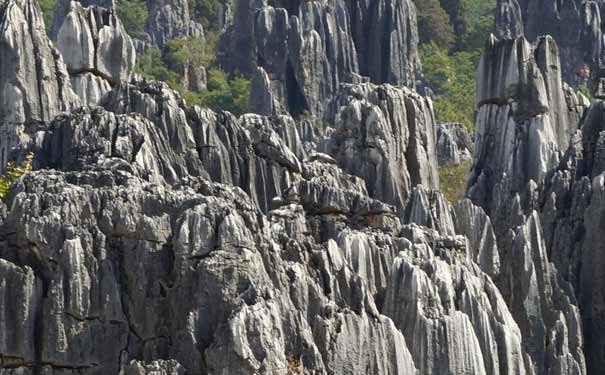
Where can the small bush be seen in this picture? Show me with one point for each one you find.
(192, 50)
(223, 93)
(13, 172)
(434, 24)
(452, 178)
(151, 66)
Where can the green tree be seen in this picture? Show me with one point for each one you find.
(223, 94)
(452, 77)
(181, 52)
(434, 24)
(48, 8)
(476, 35)
(152, 66)
(133, 14)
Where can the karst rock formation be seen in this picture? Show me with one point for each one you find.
(308, 236)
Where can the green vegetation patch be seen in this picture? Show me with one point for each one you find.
(223, 93)
(452, 36)
(452, 77)
(48, 8)
(13, 172)
(133, 14)
(452, 178)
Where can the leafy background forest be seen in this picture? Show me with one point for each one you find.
(452, 33)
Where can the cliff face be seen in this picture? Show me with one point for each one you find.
(576, 25)
(302, 52)
(537, 172)
(154, 237)
(98, 52)
(34, 82)
(525, 117)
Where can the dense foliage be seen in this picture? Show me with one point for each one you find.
(13, 172)
(452, 178)
(179, 55)
(133, 14)
(222, 92)
(452, 77)
(434, 24)
(450, 58)
(48, 8)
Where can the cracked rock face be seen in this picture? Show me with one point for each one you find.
(576, 26)
(97, 51)
(308, 48)
(170, 19)
(159, 238)
(526, 117)
(544, 223)
(34, 83)
(152, 230)
(386, 136)
(455, 144)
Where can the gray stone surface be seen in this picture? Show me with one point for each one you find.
(526, 117)
(386, 135)
(308, 48)
(170, 19)
(34, 83)
(97, 50)
(158, 238)
(532, 174)
(455, 144)
(576, 25)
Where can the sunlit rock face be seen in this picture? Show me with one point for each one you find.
(526, 117)
(309, 48)
(34, 83)
(576, 26)
(455, 144)
(155, 237)
(96, 49)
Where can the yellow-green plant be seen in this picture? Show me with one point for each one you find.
(13, 172)
(293, 364)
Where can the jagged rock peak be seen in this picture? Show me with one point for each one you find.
(34, 83)
(385, 135)
(509, 19)
(170, 19)
(454, 144)
(93, 40)
(33, 78)
(97, 50)
(63, 7)
(576, 25)
(525, 120)
(308, 48)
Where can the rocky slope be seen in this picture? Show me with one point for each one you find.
(154, 237)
